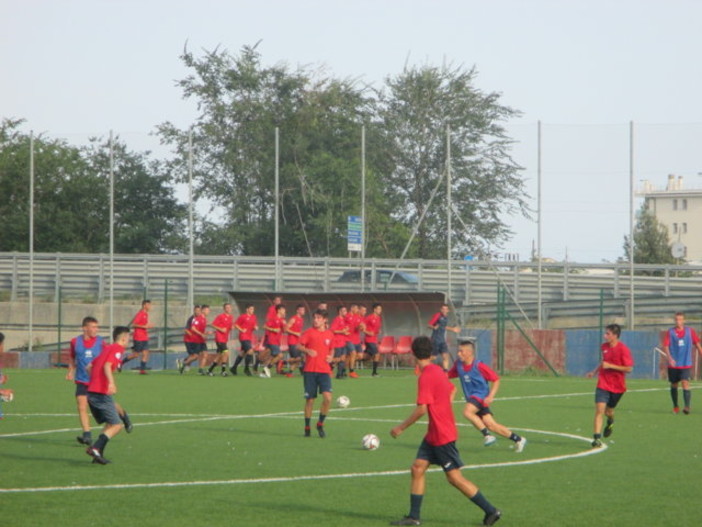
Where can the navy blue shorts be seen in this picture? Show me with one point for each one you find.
(611, 399)
(340, 352)
(446, 456)
(316, 383)
(103, 408)
(371, 349)
(676, 375)
(245, 345)
(140, 345)
(482, 409)
(439, 347)
(275, 349)
(293, 351)
(222, 347)
(193, 348)
(81, 389)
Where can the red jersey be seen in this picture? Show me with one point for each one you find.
(612, 380)
(271, 311)
(373, 324)
(246, 324)
(319, 341)
(274, 337)
(188, 335)
(295, 324)
(434, 390)
(112, 354)
(141, 319)
(354, 321)
(680, 333)
(339, 339)
(199, 323)
(226, 321)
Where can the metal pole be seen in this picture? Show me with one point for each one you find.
(539, 257)
(632, 322)
(31, 240)
(277, 208)
(112, 230)
(60, 321)
(448, 210)
(191, 271)
(363, 207)
(165, 323)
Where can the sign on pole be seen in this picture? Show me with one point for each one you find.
(355, 233)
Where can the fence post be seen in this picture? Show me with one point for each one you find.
(165, 322)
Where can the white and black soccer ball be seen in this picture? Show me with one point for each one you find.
(370, 442)
(343, 401)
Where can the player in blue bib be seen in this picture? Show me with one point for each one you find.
(475, 377)
(679, 344)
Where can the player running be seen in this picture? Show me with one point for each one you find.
(141, 326)
(223, 326)
(439, 325)
(245, 324)
(353, 340)
(274, 326)
(340, 331)
(475, 377)
(372, 324)
(294, 330)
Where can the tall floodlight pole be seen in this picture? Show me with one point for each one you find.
(191, 253)
(31, 240)
(112, 230)
(277, 208)
(632, 324)
(363, 207)
(538, 222)
(448, 209)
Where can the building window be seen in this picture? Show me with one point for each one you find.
(684, 204)
(675, 204)
(675, 228)
(684, 228)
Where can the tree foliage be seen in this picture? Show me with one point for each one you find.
(651, 240)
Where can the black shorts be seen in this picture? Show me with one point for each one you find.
(316, 383)
(611, 399)
(340, 352)
(140, 345)
(274, 349)
(245, 345)
(193, 348)
(676, 375)
(222, 347)
(446, 456)
(81, 389)
(439, 347)
(371, 349)
(293, 351)
(482, 409)
(103, 408)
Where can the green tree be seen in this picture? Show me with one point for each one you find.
(416, 109)
(651, 240)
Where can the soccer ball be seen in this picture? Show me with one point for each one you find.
(343, 401)
(370, 442)
(7, 398)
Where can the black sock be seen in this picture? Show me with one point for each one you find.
(375, 368)
(142, 365)
(514, 437)
(482, 502)
(125, 419)
(88, 435)
(247, 361)
(307, 422)
(415, 505)
(212, 367)
(674, 396)
(224, 368)
(126, 360)
(322, 417)
(101, 442)
(238, 361)
(485, 432)
(597, 436)
(610, 420)
(687, 396)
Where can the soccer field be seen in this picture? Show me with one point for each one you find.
(230, 451)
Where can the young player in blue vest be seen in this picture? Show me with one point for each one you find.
(475, 377)
(678, 345)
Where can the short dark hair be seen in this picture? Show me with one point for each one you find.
(377, 304)
(616, 329)
(279, 307)
(226, 304)
(339, 308)
(466, 343)
(247, 306)
(205, 306)
(2, 338)
(322, 313)
(89, 320)
(299, 306)
(118, 331)
(196, 306)
(145, 301)
(422, 348)
(679, 314)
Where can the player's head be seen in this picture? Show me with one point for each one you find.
(322, 305)
(300, 310)
(205, 309)
(146, 305)
(422, 348)
(197, 309)
(280, 310)
(90, 327)
(377, 308)
(444, 309)
(227, 307)
(120, 335)
(680, 319)
(341, 311)
(466, 350)
(250, 309)
(353, 308)
(319, 319)
(277, 300)
(362, 309)
(612, 332)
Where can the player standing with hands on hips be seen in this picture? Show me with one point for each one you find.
(678, 344)
(434, 397)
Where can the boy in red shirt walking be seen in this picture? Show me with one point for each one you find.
(435, 396)
(223, 327)
(611, 382)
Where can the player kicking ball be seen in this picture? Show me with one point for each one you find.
(100, 391)
(475, 377)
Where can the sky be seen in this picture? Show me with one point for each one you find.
(584, 69)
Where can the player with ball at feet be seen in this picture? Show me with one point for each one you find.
(434, 397)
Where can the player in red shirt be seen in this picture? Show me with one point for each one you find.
(316, 344)
(101, 388)
(340, 330)
(372, 324)
(611, 381)
(274, 326)
(189, 340)
(353, 341)
(196, 339)
(679, 344)
(294, 331)
(245, 324)
(4, 392)
(434, 398)
(141, 326)
(222, 324)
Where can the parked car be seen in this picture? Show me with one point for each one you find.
(382, 276)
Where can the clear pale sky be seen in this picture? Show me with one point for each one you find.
(75, 69)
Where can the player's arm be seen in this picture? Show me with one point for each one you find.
(71, 364)
(193, 329)
(494, 386)
(111, 386)
(306, 350)
(610, 366)
(288, 328)
(455, 329)
(419, 411)
(271, 329)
